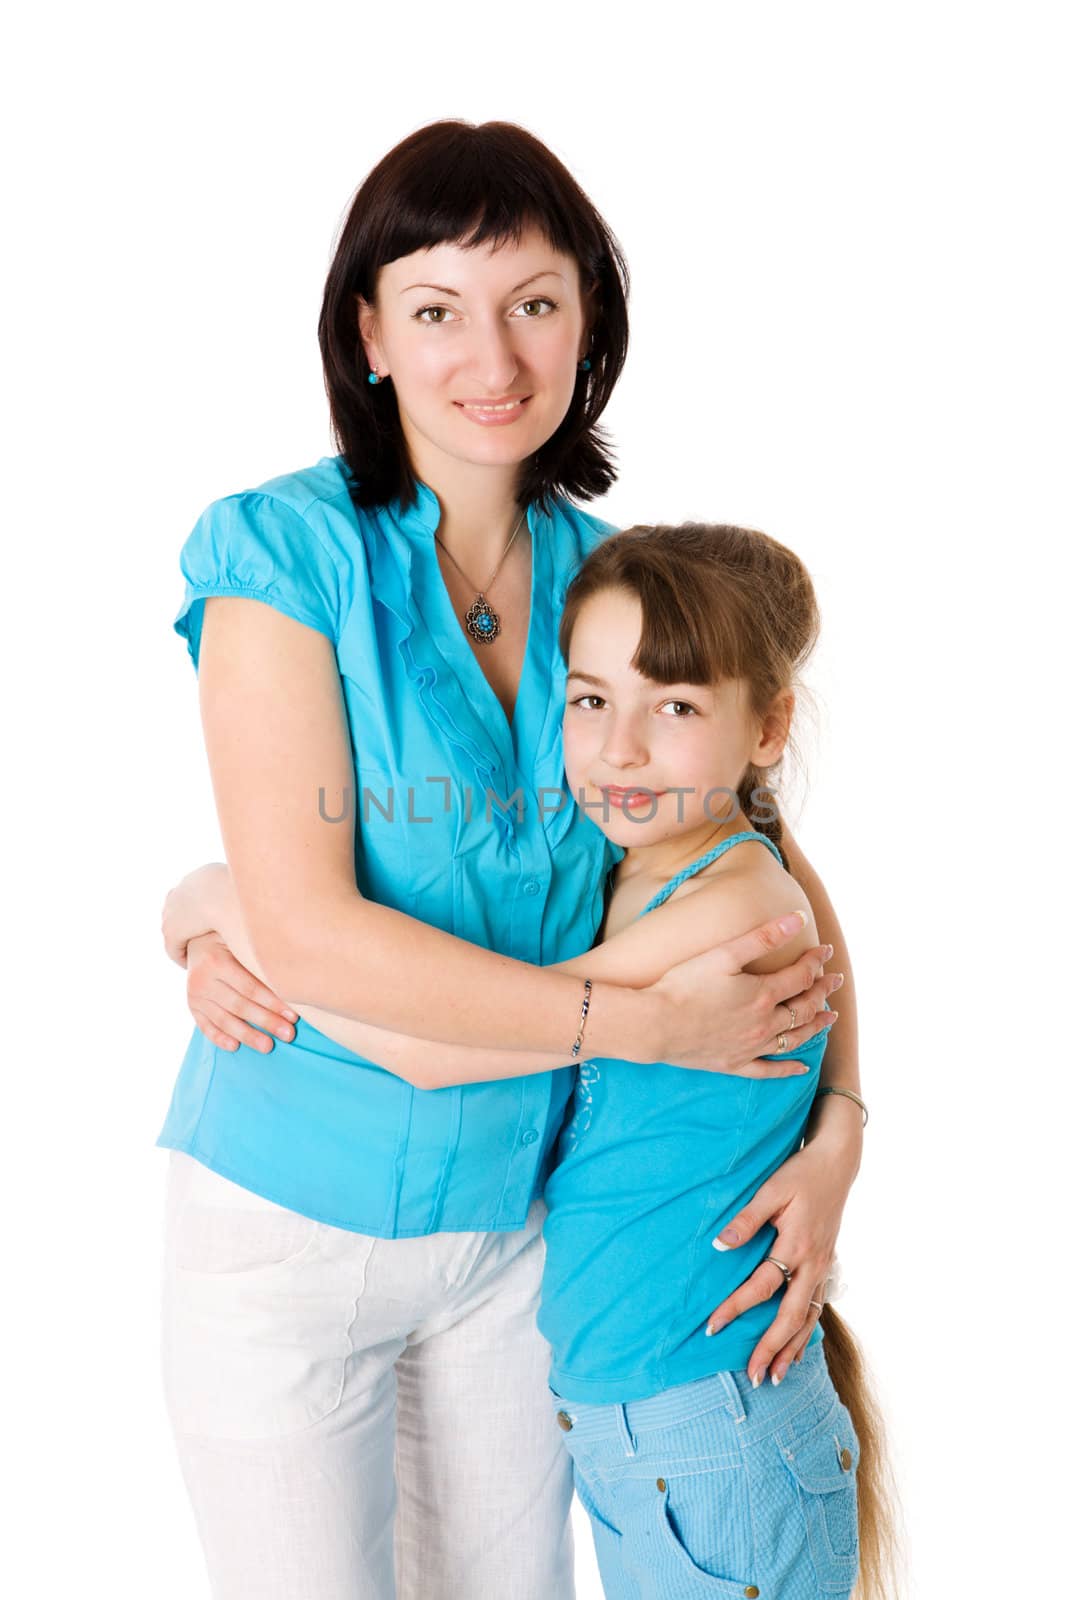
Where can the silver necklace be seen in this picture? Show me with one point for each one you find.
(482, 619)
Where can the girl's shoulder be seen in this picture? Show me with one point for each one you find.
(746, 888)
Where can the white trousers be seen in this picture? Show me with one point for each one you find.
(360, 1418)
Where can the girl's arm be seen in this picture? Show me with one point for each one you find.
(637, 956)
(275, 732)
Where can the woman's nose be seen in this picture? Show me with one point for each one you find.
(494, 362)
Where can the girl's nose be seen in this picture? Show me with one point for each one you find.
(624, 747)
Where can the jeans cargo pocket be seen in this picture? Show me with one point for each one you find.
(824, 1462)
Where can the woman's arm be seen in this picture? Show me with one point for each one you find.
(804, 1199)
(638, 956)
(276, 733)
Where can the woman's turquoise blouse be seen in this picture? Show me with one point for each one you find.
(463, 821)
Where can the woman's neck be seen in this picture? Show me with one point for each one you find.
(478, 510)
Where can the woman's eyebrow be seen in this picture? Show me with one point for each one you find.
(456, 294)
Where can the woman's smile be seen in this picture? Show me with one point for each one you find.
(495, 413)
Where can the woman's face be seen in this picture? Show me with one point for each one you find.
(687, 744)
(481, 346)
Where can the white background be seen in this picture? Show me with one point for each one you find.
(859, 322)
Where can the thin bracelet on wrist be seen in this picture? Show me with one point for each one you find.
(578, 1045)
(851, 1095)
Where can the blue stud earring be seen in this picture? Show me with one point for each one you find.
(584, 365)
(373, 377)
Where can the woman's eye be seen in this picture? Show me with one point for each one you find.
(581, 698)
(425, 315)
(535, 315)
(686, 707)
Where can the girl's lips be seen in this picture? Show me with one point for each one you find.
(494, 418)
(633, 797)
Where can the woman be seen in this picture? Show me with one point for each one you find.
(472, 330)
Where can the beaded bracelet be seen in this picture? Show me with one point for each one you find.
(829, 1089)
(578, 1045)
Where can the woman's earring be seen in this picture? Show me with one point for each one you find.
(584, 365)
(373, 377)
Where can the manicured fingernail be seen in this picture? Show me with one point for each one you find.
(800, 1072)
(292, 1016)
(725, 1241)
(838, 979)
(756, 1380)
(711, 1329)
(830, 1018)
(826, 952)
(775, 1379)
(283, 1033)
(793, 923)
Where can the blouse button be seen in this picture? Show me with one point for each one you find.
(530, 1136)
(531, 886)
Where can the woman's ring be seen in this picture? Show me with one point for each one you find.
(784, 1269)
(819, 1305)
(792, 1011)
(781, 1040)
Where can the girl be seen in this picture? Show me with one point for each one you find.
(683, 647)
(379, 679)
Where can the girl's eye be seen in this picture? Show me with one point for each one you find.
(689, 710)
(580, 699)
(425, 315)
(535, 316)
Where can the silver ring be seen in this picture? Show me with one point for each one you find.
(792, 1011)
(819, 1305)
(784, 1269)
(781, 1040)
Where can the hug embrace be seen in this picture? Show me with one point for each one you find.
(510, 1148)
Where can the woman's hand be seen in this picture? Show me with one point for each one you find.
(721, 1018)
(804, 1201)
(229, 1004)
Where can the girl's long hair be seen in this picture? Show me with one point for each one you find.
(721, 602)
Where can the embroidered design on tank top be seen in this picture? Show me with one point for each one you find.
(590, 1074)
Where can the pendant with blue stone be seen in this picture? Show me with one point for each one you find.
(482, 621)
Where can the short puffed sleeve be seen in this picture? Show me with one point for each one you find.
(258, 546)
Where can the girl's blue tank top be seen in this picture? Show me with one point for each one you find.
(653, 1162)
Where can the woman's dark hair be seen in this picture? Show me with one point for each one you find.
(456, 182)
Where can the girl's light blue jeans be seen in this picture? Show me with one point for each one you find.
(717, 1488)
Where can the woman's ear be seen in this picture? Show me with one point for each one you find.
(774, 731)
(367, 322)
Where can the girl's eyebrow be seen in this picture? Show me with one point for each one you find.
(599, 683)
(456, 294)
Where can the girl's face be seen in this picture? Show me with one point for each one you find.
(481, 346)
(683, 747)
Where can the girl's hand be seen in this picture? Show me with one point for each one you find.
(721, 1018)
(185, 909)
(229, 1004)
(804, 1201)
